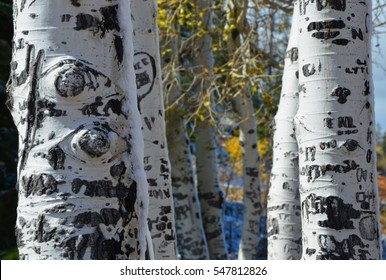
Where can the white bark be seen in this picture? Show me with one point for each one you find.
(191, 241)
(210, 194)
(283, 209)
(335, 132)
(82, 186)
(237, 13)
(150, 98)
(252, 195)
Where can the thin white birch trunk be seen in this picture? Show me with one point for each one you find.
(81, 180)
(236, 15)
(191, 241)
(147, 65)
(252, 195)
(210, 194)
(283, 205)
(335, 130)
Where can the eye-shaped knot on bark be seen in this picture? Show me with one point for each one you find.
(95, 142)
(70, 82)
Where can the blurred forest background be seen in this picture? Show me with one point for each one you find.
(177, 21)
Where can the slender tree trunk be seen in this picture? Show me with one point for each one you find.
(335, 132)
(283, 209)
(210, 194)
(236, 13)
(147, 65)
(191, 241)
(82, 186)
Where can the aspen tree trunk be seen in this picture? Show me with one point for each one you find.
(335, 132)
(147, 66)
(210, 194)
(191, 241)
(82, 187)
(283, 209)
(236, 13)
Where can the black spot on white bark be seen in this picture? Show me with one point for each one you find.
(56, 157)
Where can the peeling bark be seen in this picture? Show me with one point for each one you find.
(81, 183)
(283, 209)
(335, 130)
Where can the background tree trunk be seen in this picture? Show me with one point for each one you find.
(283, 209)
(335, 131)
(210, 194)
(237, 11)
(147, 66)
(81, 180)
(191, 241)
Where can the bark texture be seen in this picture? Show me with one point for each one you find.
(147, 66)
(210, 194)
(82, 186)
(283, 209)
(335, 132)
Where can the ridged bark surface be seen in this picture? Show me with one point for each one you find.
(81, 180)
(283, 205)
(335, 130)
(147, 66)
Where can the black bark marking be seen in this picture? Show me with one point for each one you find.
(329, 24)
(310, 153)
(346, 122)
(107, 216)
(44, 232)
(357, 34)
(293, 54)
(339, 5)
(56, 157)
(145, 73)
(213, 199)
(252, 172)
(92, 109)
(369, 155)
(118, 170)
(341, 42)
(368, 228)
(128, 203)
(39, 184)
(351, 145)
(109, 21)
(330, 249)
(70, 82)
(75, 3)
(66, 17)
(95, 142)
(118, 44)
(86, 21)
(361, 175)
(339, 214)
(45, 109)
(101, 248)
(33, 97)
(366, 92)
(313, 172)
(100, 188)
(328, 122)
(342, 93)
(362, 68)
(328, 145)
